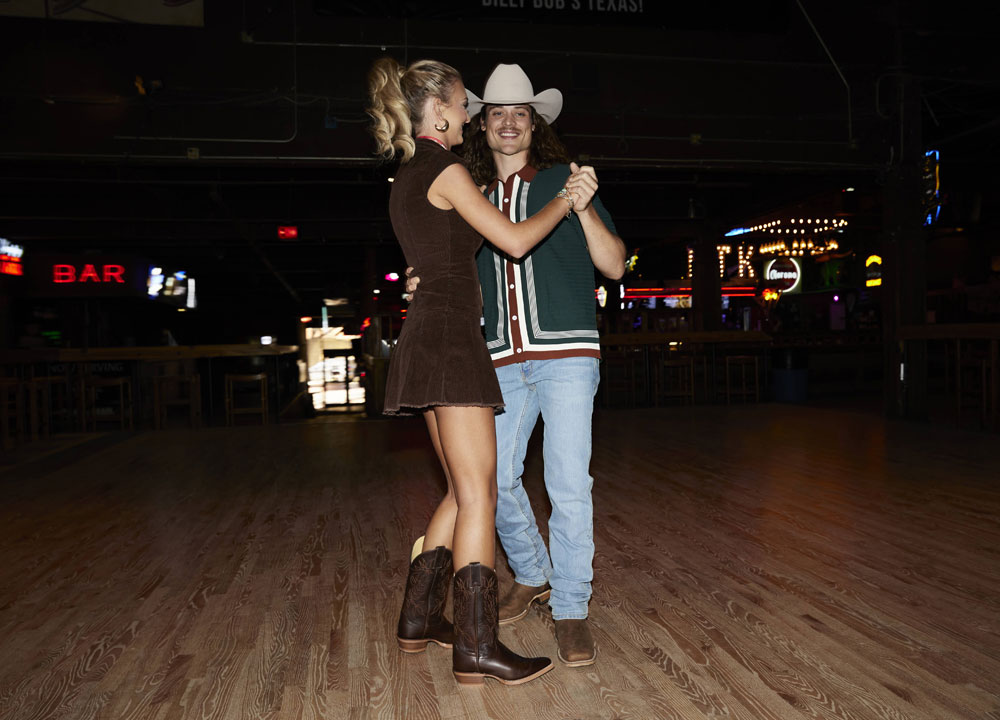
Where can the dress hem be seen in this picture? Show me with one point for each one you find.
(414, 409)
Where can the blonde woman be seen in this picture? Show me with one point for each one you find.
(441, 367)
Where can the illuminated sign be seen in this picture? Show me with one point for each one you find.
(176, 288)
(873, 271)
(85, 276)
(87, 273)
(10, 258)
(684, 292)
(783, 273)
(932, 186)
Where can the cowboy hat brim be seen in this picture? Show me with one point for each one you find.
(547, 103)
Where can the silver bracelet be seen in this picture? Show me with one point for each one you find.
(564, 194)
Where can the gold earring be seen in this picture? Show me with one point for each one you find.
(442, 129)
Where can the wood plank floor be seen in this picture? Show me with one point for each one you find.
(754, 562)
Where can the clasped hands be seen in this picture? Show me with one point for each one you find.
(581, 185)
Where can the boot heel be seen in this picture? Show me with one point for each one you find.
(411, 646)
(470, 678)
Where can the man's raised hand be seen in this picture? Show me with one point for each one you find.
(582, 183)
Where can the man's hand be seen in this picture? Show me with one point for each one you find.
(582, 183)
(411, 285)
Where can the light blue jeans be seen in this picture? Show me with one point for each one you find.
(562, 391)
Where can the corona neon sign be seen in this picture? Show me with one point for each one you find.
(784, 273)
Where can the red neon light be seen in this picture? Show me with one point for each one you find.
(10, 266)
(660, 290)
(63, 274)
(287, 232)
(366, 323)
(725, 293)
(88, 273)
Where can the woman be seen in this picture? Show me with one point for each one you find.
(441, 367)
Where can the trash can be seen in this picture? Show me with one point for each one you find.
(790, 375)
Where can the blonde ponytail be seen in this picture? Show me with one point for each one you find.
(397, 96)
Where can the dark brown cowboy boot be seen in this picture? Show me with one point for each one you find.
(478, 652)
(422, 618)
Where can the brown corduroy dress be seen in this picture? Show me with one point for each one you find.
(441, 356)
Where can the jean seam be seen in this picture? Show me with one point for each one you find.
(514, 454)
(575, 607)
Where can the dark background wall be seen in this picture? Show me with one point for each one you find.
(189, 145)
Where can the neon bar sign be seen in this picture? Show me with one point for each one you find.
(63, 273)
(10, 258)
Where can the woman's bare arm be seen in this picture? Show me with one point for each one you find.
(454, 188)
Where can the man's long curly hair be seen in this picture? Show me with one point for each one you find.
(546, 149)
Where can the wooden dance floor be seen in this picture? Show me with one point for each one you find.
(754, 562)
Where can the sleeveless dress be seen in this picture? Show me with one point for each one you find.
(440, 357)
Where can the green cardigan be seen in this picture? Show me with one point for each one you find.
(550, 311)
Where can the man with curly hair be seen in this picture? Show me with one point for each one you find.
(541, 331)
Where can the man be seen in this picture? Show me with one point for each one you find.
(541, 331)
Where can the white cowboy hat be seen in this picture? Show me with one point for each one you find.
(509, 85)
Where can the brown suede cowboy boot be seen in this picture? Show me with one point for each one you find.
(517, 602)
(421, 619)
(478, 652)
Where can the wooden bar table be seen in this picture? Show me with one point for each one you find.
(957, 332)
(711, 339)
(80, 358)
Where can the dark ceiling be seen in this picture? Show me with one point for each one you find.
(192, 144)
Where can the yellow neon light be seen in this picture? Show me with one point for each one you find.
(872, 259)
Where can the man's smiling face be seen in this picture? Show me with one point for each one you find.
(508, 128)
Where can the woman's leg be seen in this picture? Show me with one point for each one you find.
(421, 619)
(441, 527)
(467, 440)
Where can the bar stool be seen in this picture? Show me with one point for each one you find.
(38, 391)
(176, 391)
(11, 412)
(623, 374)
(113, 394)
(743, 364)
(972, 381)
(234, 384)
(675, 378)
